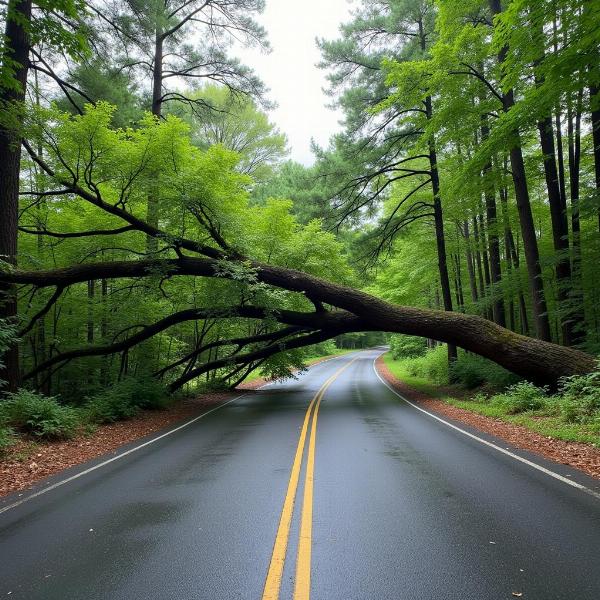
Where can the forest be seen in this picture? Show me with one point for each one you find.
(156, 239)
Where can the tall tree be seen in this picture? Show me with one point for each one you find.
(26, 24)
(392, 146)
(155, 36)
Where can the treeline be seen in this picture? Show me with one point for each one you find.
(150, 229)
(472, 138)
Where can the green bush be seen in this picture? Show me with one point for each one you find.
(580, 398)
(125, 399)
(407, 346)
(473, 371)
(521, 397)
(433, 365)
(7, 439)
(8, 336)
(39, 415)
(321, 349)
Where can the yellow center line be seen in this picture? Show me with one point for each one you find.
(273, 581)
(275, 573)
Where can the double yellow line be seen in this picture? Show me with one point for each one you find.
(275, 573)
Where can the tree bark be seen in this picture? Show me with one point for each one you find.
(437, 207)
(576, 290)
(595, 115)
(470, 262)
(540, 361)
(498, 312)
(17, 49)
(439, 232)
(157, 102)
(560, 229)
(512, 255)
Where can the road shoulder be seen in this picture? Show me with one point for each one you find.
(583, 457)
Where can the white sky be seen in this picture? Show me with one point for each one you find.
(291, 73)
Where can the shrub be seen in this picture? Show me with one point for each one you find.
(521, 397)
(125, 399)
(7, 439)
(321, 349)
(8, 336)
(433, 365)
(473, 371)
(580, 398)
(39, 415)
(109, 406)
(407, 346)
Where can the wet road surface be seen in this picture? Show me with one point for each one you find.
(328, 487)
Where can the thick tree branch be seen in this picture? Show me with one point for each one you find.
(541, 361)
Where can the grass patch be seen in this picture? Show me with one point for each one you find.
(538, 421)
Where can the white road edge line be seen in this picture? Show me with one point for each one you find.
(486, 443)
(131, 450)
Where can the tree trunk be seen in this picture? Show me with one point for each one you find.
(437, 208)
(157, 102)
(512, 256)
(470, 263)
(498, 313)
(595, 114)
(91, 289)
(560, 229)
(576, 290)
(519, 176)
(482, 289)
(18, 20)
(540, 361)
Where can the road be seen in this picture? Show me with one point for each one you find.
(390, 503)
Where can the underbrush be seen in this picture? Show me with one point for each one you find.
(32, 414)
(474, 371)
(43, 416)
(7, 439)
(431, 365)
(125, 399)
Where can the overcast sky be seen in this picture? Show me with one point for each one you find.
(290, 70)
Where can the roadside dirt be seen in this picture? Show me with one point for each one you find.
(28, 461)
(580, 456)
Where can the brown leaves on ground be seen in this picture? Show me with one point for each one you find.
(28, 461)
(584, 457)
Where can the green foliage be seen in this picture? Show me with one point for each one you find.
(125, 399)
(432, 366)
(474, 371)
(580, 398)
(322, 349)
(521, 397)
(407, 346)
(7, 439)
(236, 123)
(55, 23)
(39, 415)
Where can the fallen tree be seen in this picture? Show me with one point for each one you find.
(208, 254)
(353, 310)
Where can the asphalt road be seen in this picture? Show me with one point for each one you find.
(389, 504)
